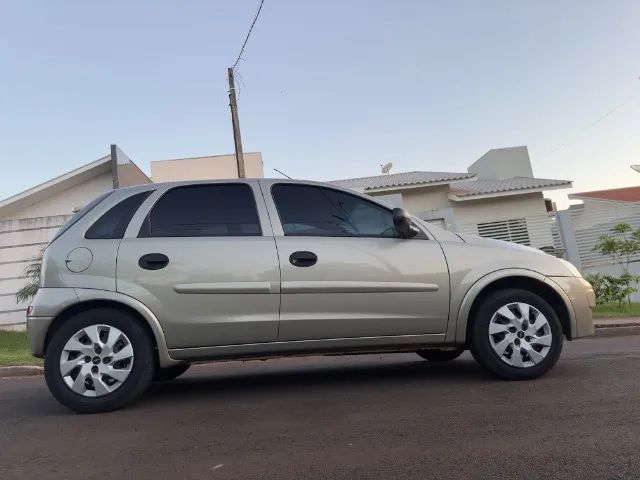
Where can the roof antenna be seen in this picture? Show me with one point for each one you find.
(386, 168)
(283, 174)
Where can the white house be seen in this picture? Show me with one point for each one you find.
(498, 197)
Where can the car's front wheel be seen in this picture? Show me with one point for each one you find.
(98, 360)
(516, 335)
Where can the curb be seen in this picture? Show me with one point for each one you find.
(20, 371)
(617, 330)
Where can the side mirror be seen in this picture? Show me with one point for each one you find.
(402, 223)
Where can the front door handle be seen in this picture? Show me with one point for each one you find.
(153, 261)
(303, 259)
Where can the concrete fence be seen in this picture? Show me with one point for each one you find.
(20, 241)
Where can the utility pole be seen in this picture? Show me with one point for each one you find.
(237, 139)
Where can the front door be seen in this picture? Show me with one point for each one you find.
(205, 263)
(346, 274)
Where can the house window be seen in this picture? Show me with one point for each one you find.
(513, 230)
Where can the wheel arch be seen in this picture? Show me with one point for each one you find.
(524, 279)
(104, 299)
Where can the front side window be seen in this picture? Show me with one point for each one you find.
(114, 222)
(307, 210)
(204, 211)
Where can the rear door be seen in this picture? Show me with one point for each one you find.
(346, 274)
(202, 257)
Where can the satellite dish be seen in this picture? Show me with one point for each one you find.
(386, 168)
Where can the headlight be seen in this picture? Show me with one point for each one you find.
(571, 267)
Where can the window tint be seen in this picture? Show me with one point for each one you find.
(204, 211)
(317, 211)
(115, 221)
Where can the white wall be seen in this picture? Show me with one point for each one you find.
(427, 202)
(206, 168)
(503, 163)
(24, 232)
(584, 224)
(66, 201)
(530, 206)
(20, 241)
(421, 199)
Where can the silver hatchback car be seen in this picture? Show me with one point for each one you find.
(145, 280)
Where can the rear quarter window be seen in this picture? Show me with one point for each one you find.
(115, 221)
(81, 213)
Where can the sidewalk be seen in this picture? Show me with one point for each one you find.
(613, 327)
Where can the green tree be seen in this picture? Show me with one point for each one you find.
(599, 284)
(32, 272)
(622, 246)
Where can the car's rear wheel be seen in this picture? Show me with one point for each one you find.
(516, 335)
(98, 360)
(440, 355)
(169, 373)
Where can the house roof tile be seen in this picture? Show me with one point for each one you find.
(401, 179)
(490, 186)
(627, 194)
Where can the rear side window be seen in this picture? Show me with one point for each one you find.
(204, 211)
(114, 222)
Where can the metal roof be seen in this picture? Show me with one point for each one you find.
(401, 179)
(490, 186)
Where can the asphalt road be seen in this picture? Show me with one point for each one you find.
(357, 417)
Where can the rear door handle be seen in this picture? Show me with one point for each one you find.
(303, 259)
(153, 261)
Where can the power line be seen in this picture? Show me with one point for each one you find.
(248, 35)
(590, 126)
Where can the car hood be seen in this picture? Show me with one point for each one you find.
(486, 255)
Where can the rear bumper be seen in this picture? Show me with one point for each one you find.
(582, 299)
(37, 328)
(47, 303)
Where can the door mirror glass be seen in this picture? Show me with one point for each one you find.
(402, 223)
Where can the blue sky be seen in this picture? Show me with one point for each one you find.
(332, 89)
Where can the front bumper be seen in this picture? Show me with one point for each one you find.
(582, 299)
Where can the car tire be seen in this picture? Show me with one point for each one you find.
(440, 355)
(169, 373)
(131, 361)
(510, 351)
